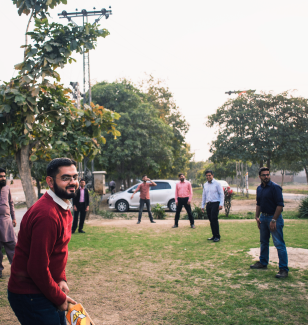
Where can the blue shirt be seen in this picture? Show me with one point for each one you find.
(269, 197)
(212, 192)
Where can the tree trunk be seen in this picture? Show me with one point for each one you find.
(38, 185)
(128, 182)
(23, 163)
(268, 164)
(306, 171)
(282, 177)
(261, 163)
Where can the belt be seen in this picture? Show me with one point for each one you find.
(267, 214)
(213, 202)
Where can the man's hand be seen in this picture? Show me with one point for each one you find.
(220, 207)
(188, 202)
(75, 208)
(272, 226)
(258, 222)
(64, 287)
(176, 203)
(64, 306)
(202, 210)
(14, 223)
(132, 197)
(87, 208)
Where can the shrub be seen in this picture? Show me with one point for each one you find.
(303, 208)
(194, 185)
(159, 212)
(197, 213)
(95, 199)
(106, 214)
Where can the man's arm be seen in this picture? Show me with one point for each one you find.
(277, 213)
(153, 183)
(203, 198)
(87, 198)
(221, 196)
(12, 209)
(136, 190)
(258, 210)
(176, 193)
(190, 192)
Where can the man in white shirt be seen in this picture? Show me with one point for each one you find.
(213, 197)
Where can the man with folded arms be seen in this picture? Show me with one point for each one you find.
(183, 196)
(37, 289)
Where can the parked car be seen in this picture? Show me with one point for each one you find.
(163, 194)
(224, 184)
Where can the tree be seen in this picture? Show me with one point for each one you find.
(260, 127)
(37, 117)
(145, 145)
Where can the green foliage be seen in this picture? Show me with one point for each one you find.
(261, 127)
(95, 199)
(303, 208)
(106, 214)
(158, 212)
(148, 143)
(198, 214)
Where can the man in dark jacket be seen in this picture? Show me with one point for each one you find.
(81, 204)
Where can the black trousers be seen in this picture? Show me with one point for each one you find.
(212, 210)
(147, 202)
(82, 209)
(183, 201)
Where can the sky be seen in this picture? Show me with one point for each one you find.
(200, 49)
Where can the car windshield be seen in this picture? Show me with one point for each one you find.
(132, 189)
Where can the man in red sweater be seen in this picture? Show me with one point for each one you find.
(37, 289)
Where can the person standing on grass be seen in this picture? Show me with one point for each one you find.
(270, 205)
(183, 196)
(7, 221)
(213, 197)
(37, 288)
(144, 189)
(81, 204)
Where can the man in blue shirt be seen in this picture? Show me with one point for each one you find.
(270, 205)
(213, 197)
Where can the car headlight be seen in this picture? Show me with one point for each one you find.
(112, 197)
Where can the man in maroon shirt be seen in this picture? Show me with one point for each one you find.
(144, 189)
(37, 289)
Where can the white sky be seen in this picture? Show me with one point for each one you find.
(200, 48)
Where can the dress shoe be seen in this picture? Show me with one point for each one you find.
(193, 226)
(216, 240)
(212, 238)
(174, 226)
(0, 274)
(81, 231)
(282, 274)
(258, 265)
(153, 221)
(138, 222)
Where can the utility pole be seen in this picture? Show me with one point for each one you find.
(86, 60)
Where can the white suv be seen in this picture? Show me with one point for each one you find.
(163, 194)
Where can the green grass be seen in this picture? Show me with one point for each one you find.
(190, 280)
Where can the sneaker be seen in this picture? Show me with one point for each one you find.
(138, 222)
(193, 226)
(81, 231)
(258, 265)
(212, 238)
(282, 274)
(174, 226)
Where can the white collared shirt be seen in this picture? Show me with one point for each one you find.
(63, 205)
(212, 192)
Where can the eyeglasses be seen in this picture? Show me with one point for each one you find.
(68, 178)
(264, 175)
(208, 175)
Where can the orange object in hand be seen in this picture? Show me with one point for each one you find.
(77, 315)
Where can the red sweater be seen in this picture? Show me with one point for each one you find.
(41, 251)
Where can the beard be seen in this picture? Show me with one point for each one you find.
(63, 194)
(182, 180)
(3, 183)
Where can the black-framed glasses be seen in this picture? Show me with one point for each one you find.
(264, 175)
(67, 178)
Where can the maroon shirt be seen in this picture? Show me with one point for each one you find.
(144, 190)
(41, 251)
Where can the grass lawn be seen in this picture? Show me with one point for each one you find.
(175, 276)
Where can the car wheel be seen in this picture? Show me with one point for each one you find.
(122, 206)
(172, 205)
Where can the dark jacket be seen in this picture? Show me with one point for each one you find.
(77, 197)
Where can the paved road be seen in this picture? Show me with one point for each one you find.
(286, 196)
